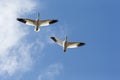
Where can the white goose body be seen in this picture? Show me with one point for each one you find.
(65, 44)
(37, 23)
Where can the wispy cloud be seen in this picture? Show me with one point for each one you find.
(51, 72)
(13, 60)
(14, 52)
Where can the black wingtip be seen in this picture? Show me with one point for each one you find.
(81, 44)
(21, 20)
(53, 21)
(53, 38)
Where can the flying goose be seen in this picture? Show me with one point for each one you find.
(37, 23)
(65, 44)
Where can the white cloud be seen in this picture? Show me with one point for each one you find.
(14, 52)
(51, 72)
(15, 60)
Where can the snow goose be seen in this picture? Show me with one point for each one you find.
(65, 44)
(37, 23)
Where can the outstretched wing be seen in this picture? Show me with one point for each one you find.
(74, 44)
(27, 21)
(58, 41)
(47, 22)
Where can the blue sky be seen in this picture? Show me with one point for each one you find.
(28, 55)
